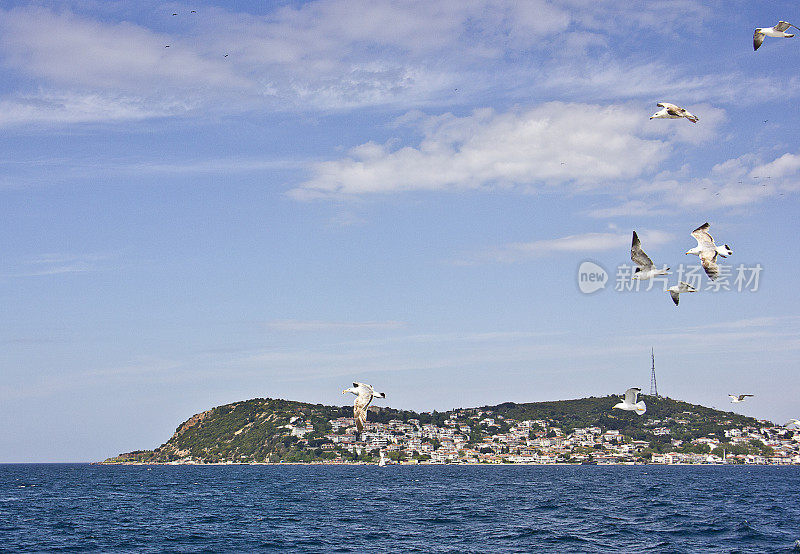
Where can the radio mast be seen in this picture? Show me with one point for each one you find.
(653, 384)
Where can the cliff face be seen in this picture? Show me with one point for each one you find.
(264, 429)
(188, 424)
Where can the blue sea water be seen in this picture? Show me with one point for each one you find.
(79, 507)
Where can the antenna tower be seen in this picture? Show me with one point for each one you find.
(653, 384)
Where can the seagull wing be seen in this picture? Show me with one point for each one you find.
(702, 235)
(758, 38)
(708, 259)
(668, 106)
(631, 394)
(690, 116)
(782, 26)
(675, 296)
(637, 254)
(686, 287)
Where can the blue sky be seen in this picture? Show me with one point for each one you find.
(296, 195)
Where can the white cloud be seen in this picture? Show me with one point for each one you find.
(312, 57)
(59, 264)
(785, 166)
(734, 183)
(586, 243)
(72, 107)
(541, 148)
(66, 49)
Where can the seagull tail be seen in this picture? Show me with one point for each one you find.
(724, 251)
(640, 407)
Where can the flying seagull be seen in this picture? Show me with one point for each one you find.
(630, 404)
(738, 398)
(675, 290)
(707, 250)
(778, 31)
(671, 111)
(364, 394)
(646, 268)
(793, 424)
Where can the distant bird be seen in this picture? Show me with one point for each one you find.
(778, 31)
(676, 290)
(671, 111)
(793, 424)
(225, 56)
(738, 398)
(193, 11)
(630, 404)
(708, 251)
(364, 394)
(646, 268)
(174, 14)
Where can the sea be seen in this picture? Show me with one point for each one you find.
(366, 508)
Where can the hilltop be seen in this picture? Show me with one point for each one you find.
(275, 430)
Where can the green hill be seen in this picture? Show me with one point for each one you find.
(259, 430)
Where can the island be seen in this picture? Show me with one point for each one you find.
(585, 430)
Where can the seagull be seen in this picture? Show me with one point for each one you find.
(738, 398)
(676, 290)
(671, 111)
(778, 31)
(646, 268)
(364, 394)
(793, 424)
(630, 404)
(707, 250)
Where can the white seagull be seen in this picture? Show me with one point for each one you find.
(736, 398)
(778, 31)
(671, 111)
(707, 250)
(364, 394)
(646, 268)
(793, 424)
(630, 404)
(675, 290)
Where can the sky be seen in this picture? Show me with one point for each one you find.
(202, 203)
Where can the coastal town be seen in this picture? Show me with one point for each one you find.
(483, 437)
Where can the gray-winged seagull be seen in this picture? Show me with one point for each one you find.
(646, 267)
(671, 111)
(630, 404)
(778, 31)
(736, 398)
(364, 394)
(675, 290)
(708, 251)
